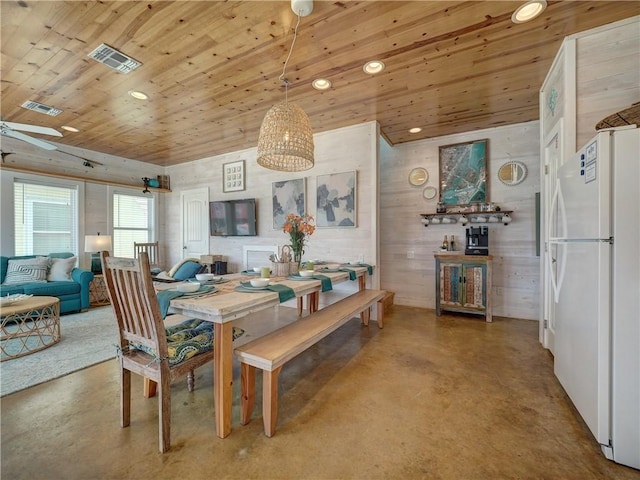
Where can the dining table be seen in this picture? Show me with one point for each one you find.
(230, 301)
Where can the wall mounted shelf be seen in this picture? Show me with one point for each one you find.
(503, 216)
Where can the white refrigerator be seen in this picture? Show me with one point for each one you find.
(594, 264)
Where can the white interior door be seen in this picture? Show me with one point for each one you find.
(194, 221)
(552, 161)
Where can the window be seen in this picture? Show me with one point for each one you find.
(132, 222)
(46, 218)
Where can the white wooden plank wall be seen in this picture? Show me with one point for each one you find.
(608, 74)
(516, 272)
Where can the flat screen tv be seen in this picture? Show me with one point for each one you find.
(233, 218)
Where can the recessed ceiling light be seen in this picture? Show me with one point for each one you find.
(139, 95)
(415, 130)
(69, 129)
(373, 66)
(528, 11)
(321, 84)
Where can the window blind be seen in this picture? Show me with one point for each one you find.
(46, 218)
(132, 222)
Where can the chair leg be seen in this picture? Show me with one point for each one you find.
(164, 414)
(248, 382)
(270, 400)
(125, 397)
(191, 382)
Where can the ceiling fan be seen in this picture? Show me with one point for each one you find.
(10, 129)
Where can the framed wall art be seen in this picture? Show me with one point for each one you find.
(336, 200)
(233, 176)
(463, 173)
(288, 197)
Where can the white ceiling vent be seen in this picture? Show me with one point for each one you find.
(114, 59)
(40, 107)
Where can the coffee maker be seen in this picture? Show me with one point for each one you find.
(477, 241)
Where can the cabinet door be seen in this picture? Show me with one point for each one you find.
(474, 292)
(450, 283)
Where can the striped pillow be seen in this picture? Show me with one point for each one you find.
(27, 270)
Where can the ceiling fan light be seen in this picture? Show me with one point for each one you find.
(374, 66)
(528, 11)
(285, 142)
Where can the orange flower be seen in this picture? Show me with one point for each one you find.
(298, 227)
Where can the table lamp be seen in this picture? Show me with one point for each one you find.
(94, 244)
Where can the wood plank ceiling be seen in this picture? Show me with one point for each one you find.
(211, 69)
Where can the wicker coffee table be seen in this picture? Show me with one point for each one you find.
(29, 326)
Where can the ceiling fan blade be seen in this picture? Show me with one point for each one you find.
(33, 128)
(28, 139)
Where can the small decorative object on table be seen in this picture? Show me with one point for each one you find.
(298, 227)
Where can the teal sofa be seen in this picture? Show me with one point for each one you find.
(73, 295)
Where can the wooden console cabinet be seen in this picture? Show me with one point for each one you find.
(463, 284)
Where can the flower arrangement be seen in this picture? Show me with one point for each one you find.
(298, 227)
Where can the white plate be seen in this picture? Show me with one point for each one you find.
(248, 286)
(15, 298)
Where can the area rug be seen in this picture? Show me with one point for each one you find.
(88, 338)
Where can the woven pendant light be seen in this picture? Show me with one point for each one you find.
(285, 142)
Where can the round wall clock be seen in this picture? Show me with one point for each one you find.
(418, 176)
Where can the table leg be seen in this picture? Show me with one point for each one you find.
(362, 284)
(223, 377)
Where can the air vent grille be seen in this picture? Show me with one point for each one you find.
(42, 108)
(114, 59)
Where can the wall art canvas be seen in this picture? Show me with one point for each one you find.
(233, 176)
(336, 200)
(463, 173)
(288, 197)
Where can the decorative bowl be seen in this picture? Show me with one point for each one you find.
(205, 277)
(188, 287)
(259, 282)
(306, 273)
(258, 269)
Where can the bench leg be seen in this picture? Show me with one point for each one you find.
(149, 388)
(380, 313)
(248, 396)
(365, 315)
(270, 400)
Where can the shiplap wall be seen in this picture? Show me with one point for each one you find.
(347, 149)
(516, 266)
(607, 74)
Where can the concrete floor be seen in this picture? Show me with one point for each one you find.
(426, 397)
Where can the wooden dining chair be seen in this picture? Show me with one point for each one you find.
(152, 251)
(143, 347)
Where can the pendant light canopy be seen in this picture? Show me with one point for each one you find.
(286, 139)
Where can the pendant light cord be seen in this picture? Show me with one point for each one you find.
(283, 79)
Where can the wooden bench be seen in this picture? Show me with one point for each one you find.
(270, 352)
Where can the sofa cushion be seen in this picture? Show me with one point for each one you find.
(60, 269)
(27, 270)
(11, 289)
(52, 289)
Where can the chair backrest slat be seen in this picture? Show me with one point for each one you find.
(151, 249)
(134, 301)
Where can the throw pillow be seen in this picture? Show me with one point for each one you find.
(27, 270)
(60, 269)
(187, 270)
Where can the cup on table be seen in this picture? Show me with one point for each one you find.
(265, 272)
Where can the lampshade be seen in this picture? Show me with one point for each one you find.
(286, 140)
(97, 243)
